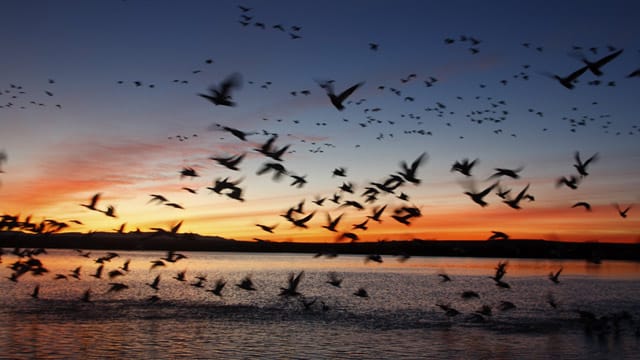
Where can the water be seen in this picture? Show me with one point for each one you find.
(399, 319)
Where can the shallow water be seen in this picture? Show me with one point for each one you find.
(399, 319)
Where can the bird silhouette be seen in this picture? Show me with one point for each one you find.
(409, 172)
(582, 166)
(94, 201)
(266, 228)
(515, 202)
(334, 280)
(554, 276)
(331, 224)
(217, 289)
(154, 283)
(338, 100)
(595, 66)
(117, 287)
(221, 94)
(292, 288)
(230, 162)
(478, 197)
(302, 222)
(246, 284)
(464, 167)
(568, 80)
(86, 296)
(361, 292)
(622, 212)
(584, 204)
(444, 277)
(377, 213)
(36, 292)
(571, 182)
(98, 273)
(512, 173)
(278, 170)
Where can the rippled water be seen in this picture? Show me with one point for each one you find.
(399, 319)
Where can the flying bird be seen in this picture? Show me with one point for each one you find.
(292, 288)
(554, 276)
(221, 95)
(409, 172)
(478, 197)
(338, 100)
(582, 166)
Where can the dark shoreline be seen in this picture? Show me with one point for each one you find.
(522, 248)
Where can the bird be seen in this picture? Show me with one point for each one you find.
(582, 166)
(266, 228)
(409, 172)
(444, 277)
(348, 235)
(377, 213)
(338, 100)
(217, 289)
(158, 198)
(515, 203)
(568, 80)
(478, 197)
(94, 201)
(298, 181)
(230, 162)
(36, 291)
(361, 292)
(188, 172)
(181, 276)
(110, 212)
(554, 276)
(117, 287)
(584, 204)
(302, 223)
(464, 167)
(221, 95)
(512, 173)
(621, 212)
(331, 224)
(156, 263)
(292, 288)
(571, 182)
(334, 280)
(86, 296)
(154, 283)
(98, 273)
(594, 67)
(246, 284)
(278, 170)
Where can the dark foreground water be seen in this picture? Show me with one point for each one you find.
(399, 319)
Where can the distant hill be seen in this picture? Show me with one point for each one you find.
(513, 248)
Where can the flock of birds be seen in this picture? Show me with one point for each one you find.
(29, 262)
(389, 196)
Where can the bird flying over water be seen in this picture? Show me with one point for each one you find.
(554, 276)
(292, 288)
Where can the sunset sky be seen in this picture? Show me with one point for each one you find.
(74, 123)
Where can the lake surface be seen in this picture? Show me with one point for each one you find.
(398, 319)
